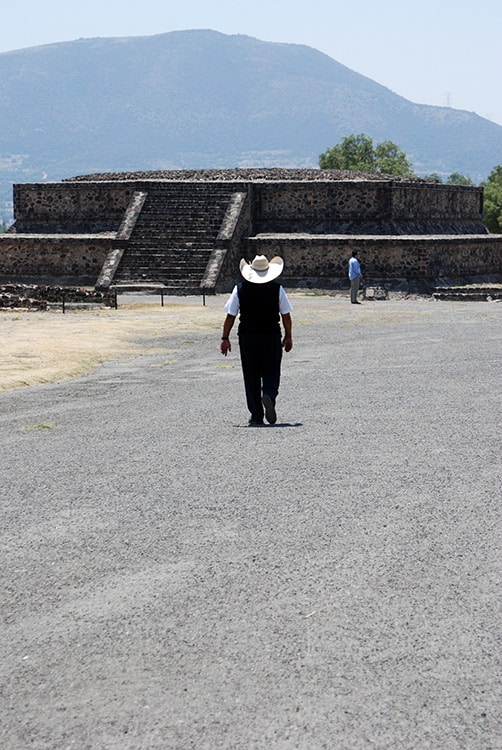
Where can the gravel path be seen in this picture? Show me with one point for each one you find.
(173, 579)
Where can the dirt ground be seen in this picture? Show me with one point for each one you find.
(49, 347)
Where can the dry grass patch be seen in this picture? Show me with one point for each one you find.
(48, 347)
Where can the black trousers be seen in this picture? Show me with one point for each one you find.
(261, 355)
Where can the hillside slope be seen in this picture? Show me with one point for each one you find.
(202, 99)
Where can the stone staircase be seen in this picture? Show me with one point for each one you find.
(174, 236)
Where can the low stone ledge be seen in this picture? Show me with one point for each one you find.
(40, 297)
(10, 301)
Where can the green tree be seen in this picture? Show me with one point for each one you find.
(458, 179)
(390, 159)
(492, 211)
(357, 153)
(433, 177)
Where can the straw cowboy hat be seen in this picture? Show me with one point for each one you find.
(260, 270)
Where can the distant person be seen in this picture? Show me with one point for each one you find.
(262, 303)
(355, 277)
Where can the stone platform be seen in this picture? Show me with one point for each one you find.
(189, 230)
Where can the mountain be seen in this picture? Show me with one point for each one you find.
(202, 99)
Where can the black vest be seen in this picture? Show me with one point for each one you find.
(259, 307)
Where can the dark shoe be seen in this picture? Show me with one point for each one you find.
(255, 422)
(269, 407)
(356, 303)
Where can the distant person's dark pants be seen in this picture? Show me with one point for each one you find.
(261, 355)
(354, 288)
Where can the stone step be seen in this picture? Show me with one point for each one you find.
(158, 281)
(150, 259)
(175, 267)
(187, 225)
(179, 241)
(182, 254)
(157, 206)
(142, 270)
(174, 241)
(139, 269)
(156, 260)
(468, 293)
(167, 235)
(182, 249)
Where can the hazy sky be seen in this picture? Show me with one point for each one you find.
(440, 52)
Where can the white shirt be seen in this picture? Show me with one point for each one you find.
(232, 306)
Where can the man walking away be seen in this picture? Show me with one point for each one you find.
(262, 302)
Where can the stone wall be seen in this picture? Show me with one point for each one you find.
(70, 207)
(56, 259)
(444, 202)
(366, 207)
(323, 261)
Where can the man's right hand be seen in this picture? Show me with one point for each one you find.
(287, 343)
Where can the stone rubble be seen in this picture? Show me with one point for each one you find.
(251, 174)
(35, 297)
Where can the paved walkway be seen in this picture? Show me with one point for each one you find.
(171, 578)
